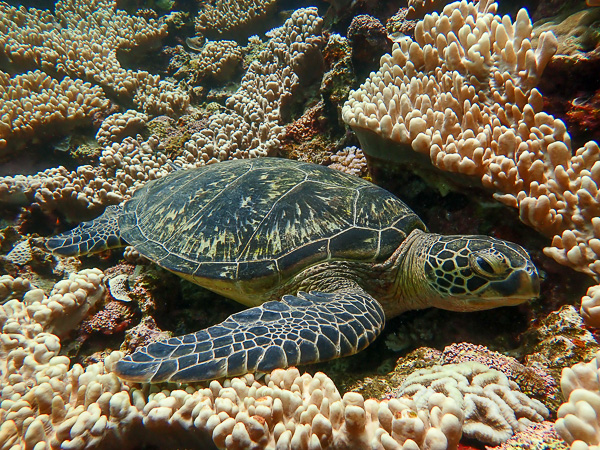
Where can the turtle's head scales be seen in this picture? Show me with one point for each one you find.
(471, 273)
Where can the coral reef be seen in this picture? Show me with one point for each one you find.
(578, 420)
(120, 125)
(369, 41)
(350, 160)
(532, 380)
(493, 406)
(578, 33)
(223, 17)
(251, 128)
(46, 403)
(115, 317)
(59, 45)
(536, 436)
(461, 97)
(33, 103)
(218, 61)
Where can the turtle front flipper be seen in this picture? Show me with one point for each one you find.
(302, 329)
(94, 236)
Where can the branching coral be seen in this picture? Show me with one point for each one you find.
(224, 16)
(80, 193)
(461, 96)
(119, 125)
(79, 41)
(252, 128)
(579, 418)
(218, 61)
(350, 160)
(34, 103)
(46, 404)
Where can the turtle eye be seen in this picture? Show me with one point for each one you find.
(489, 265)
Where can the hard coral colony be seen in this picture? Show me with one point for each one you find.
(458, 99)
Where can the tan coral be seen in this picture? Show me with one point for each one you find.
(350, 160)
(33, 103)
(47, 404)
(462, 97)
(224, 16)
(493, 405)
(11, 287)
(590, 306)
(58, 43)
(577, 37)
(78, 194)
(218, 61)
(579, 418)
(253, 127)
(119, 125)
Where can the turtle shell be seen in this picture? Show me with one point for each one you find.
(260, 221)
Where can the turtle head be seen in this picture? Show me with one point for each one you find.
(469, 273)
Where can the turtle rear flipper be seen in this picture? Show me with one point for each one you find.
(302, 329)
(94, 236)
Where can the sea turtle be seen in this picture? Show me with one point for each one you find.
(321, 257)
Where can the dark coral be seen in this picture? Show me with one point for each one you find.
(114, 318)
(142, 334)
(369, 40)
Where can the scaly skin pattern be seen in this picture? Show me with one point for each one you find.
(95, 236)
(321, 257)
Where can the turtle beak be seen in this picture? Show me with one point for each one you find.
(519, 286)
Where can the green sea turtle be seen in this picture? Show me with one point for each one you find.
(321, 257)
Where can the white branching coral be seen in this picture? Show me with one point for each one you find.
(579, 418)
(225, 16)
(253, 127)
(462, 97)
(47, 404)
(80, 40)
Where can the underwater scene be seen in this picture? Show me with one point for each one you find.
(341, 224)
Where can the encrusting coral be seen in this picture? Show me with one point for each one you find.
(462, 97)
(46, 404)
